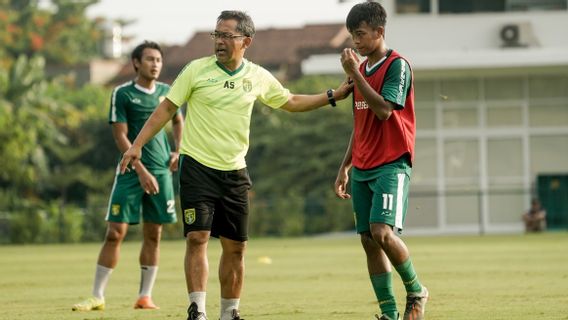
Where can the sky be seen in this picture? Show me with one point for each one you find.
(174, 21)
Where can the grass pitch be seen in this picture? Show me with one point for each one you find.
(469, 277)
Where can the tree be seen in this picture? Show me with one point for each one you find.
(26, 120)
(47, 142)
(296, 156)
(62, 33)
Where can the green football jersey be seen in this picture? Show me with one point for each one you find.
(133, 105)
(219, 107)
(398, 79)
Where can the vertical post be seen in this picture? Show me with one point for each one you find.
(434, 7)
(480, 197)
(441, 163)
(483, 159)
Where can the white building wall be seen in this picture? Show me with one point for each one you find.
(463, 41)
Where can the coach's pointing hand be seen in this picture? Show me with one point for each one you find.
(132, 155)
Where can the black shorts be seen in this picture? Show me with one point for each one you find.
(214, 200)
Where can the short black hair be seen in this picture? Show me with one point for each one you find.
(139, 50)
(370, 12)
(244, 21)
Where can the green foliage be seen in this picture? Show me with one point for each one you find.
(94, 224)
(43, 133)
(277, 216)
(58, 156)
(47, 146)
(29, 120)
(46, 223)
(295, 158)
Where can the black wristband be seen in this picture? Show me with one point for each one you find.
(330, 97)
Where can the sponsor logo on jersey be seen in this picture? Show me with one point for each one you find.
(136, 100)
(402, 83)
(247, 85)
(361, 105)
(115, 209)
(189, 216)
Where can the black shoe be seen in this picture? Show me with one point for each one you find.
(236, 315)
(193, 314)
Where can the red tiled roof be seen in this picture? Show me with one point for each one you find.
(271, 48)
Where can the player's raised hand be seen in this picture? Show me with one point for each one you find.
(350, 61)
(131, 156)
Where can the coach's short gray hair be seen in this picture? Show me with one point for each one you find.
(244, 21)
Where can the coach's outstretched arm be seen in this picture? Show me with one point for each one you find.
(307, 102)
(163, 113)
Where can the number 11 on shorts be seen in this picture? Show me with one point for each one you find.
(387, 201)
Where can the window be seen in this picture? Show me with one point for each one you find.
(548, 114)
(548, 154)
(425, 166)
(460, 117)
(425, 115)
(473, 6)
(412, 6)
(424, 90)
(452, 90)
(504, 116)
(507, 206)
(548, 87)
(527, 5)
(504, 88)
(470, 6)
(504, 159)
(461, 160)
(462, 208)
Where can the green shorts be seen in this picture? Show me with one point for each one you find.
(380, 195)
(128, 201)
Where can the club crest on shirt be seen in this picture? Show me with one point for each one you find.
(115, 209)
(189, 215)
(247, 85)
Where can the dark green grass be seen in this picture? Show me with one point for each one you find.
(469, 277)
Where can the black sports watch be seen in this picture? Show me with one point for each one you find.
(330, 97)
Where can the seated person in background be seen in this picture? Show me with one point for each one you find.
(535, 218)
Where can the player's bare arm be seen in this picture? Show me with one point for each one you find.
(350, 63)
(163, 113)
(177, 125)
(343, 173)
(302, 102)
